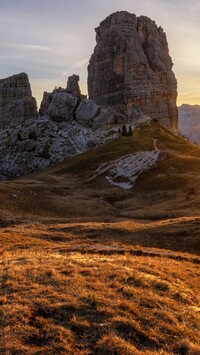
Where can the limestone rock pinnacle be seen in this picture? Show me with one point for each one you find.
(131, 70)
(73, 86)
(16, 101)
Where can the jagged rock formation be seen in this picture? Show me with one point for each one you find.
(62, 106)
(131, 69)
(73, 85)
(46, 101)
(16, 101)
(66, 126)
(86, 112)
(69, 104)
(62, 100)
(40, 142)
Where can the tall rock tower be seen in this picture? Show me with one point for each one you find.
(16, 101)
(131, 69)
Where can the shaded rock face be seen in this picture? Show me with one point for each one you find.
(73, 86)
(46, 101)
(69, 104)
(16, 101)
(131, 69)
(62, 107)
(86, 112)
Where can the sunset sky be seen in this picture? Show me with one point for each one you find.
(52, 39)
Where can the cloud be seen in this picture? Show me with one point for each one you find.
(65, 73)
(33, 47)
(12, 56)
(81, 63)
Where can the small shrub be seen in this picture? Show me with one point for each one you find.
(33, 135)
(19, 137)
(124, 130)
(46, 151)
(8, 141)
(126, 133)
(161, 286)
(130, 131)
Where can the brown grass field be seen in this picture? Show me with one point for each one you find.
(87, 268)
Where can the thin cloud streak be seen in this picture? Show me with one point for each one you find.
(33, 47)
(81, 63)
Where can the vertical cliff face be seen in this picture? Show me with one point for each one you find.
(131, 69)
(16, 101)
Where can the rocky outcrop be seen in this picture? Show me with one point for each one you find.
(62, 106)
(131, 69)
(73, 86)
(40, 142)
(66, 126)
(86, 112)
(107, 119)
(46, 101)
(16, 102)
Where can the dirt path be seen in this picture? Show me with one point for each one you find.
(155, 144)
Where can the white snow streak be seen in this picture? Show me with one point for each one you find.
(123, 172)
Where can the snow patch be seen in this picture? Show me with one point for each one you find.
(143, 119)
(124, 172)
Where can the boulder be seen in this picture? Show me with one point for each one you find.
(62, 107)
(27, 145)
(107, 119)
(86, 112)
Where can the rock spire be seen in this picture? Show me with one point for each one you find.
(131, 69)
(73, 86)
(16, 101)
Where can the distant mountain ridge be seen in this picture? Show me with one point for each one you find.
(189, 122)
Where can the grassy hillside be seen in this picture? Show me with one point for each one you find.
(168, 189)
(90, 268)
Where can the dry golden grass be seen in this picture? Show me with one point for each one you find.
(76, 289)
(91, 269)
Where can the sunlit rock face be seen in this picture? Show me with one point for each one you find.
(16, 101)
(131, 69)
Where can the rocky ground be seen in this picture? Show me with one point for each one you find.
(40, 142)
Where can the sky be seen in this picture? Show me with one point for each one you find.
(53, 39)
